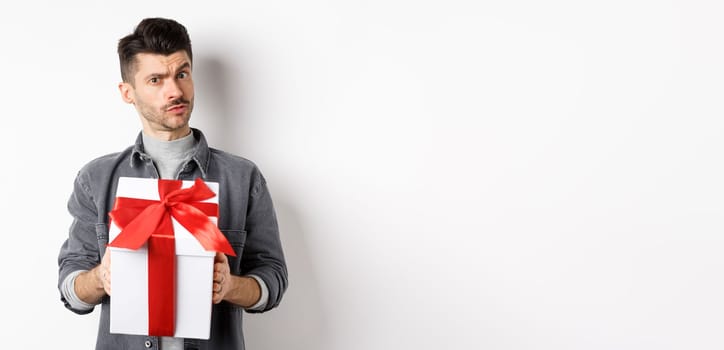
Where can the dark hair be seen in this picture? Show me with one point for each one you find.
(152, 35)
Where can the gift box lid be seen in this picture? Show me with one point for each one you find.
(144, 188)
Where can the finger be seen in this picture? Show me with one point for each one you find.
(219, 277)
(220, 258)
(222, 270)
(107, 283)
(106, 260)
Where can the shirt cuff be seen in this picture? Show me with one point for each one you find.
(68, 290)
(264, 298)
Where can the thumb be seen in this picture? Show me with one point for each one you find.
(220, 258)
(106, 260)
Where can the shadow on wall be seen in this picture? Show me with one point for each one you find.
(298, 323)
(215, 109)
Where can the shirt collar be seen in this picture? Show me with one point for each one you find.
(201, 155)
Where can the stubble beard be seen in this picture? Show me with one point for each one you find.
(170, 122)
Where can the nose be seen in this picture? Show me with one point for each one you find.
(172, 90)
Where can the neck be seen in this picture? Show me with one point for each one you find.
(169, 156)
(170, 135)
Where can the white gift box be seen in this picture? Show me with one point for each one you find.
(129, 273)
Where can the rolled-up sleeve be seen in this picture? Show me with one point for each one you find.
(80, 250)
(263, 255)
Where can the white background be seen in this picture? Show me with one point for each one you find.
(447, 174)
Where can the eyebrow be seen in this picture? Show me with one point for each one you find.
(185, 65)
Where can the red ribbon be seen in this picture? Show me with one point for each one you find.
(143, 220)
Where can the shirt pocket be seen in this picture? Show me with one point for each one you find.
(237, 239)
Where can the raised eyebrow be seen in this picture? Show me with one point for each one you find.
(183, 67)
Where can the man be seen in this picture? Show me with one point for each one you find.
(156, 68)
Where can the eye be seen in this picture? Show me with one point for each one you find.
(153, 80)
(183, 75)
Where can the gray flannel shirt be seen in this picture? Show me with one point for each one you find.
(246, 217)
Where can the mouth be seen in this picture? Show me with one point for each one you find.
(179, 108)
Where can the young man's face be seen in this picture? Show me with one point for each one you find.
(163, 93)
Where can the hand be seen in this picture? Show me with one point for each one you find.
(91, 286)
(103, 272)
(222, 278)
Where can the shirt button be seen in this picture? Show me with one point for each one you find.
(148, 344)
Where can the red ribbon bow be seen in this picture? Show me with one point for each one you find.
(143, 220)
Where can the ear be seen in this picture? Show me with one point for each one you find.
(126, 91)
